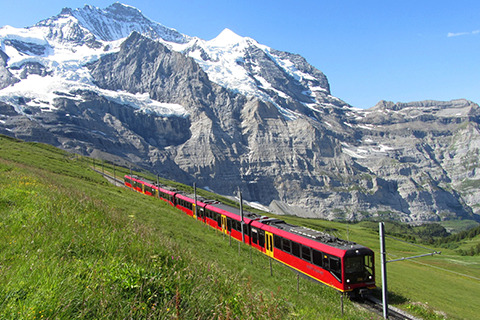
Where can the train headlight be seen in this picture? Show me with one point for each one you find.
(370, 277)
(348, 280)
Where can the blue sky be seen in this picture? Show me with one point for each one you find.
(400, 51)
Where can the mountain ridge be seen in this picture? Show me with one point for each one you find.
(231, 113)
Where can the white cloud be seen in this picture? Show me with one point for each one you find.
(458, 34)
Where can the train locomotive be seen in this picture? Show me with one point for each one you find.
(344, 265)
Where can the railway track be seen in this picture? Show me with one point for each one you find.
(374, 305)
(118, 181)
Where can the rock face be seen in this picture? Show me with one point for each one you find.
(6, 77)
(230, 113)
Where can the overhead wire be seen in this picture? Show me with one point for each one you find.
(426, 264)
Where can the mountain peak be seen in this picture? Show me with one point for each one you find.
(226, 38)
(124, 10)
(114, 22)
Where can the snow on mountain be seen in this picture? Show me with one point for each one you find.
(118, 21)
(47, 89)
(35, 36)
(243, 65)
(62, 45)
(221, 58)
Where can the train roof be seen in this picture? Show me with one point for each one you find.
(317, 236)
(234, 210)
(167, 189)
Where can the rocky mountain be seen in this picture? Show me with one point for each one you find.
(232, 113)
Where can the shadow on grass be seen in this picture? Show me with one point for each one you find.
(393, 298)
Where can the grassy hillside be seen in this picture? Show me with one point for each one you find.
(74, 246)
(446, 285)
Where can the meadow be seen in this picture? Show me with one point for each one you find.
(75, 246)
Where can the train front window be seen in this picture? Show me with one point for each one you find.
(359, 268)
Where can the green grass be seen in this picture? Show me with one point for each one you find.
(455, 226)
(73, 246)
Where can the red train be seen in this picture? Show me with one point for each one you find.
(343, 265)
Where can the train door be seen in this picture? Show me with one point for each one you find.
(269, 244)
(200, 214)
(224, 225)
(194, 211)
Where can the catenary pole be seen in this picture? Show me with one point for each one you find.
(384, 269)
(195, 197)
(384, 266)
(241, 215)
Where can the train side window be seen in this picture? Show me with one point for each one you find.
(286, 245)
(335, 267)
(246, 229)
(317, 258)
(254, 236)
(306, 253)
(369, 264)
(326, 263)
(277, 242)
(229, 224)
(295, 249)
(261, 238)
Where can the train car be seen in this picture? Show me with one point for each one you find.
(228, 219)
(186, 204)
(149, 189)
(134, 183)
(343, 265)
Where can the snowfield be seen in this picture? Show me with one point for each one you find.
(64, 44)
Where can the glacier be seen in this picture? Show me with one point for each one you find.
(80, 36)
